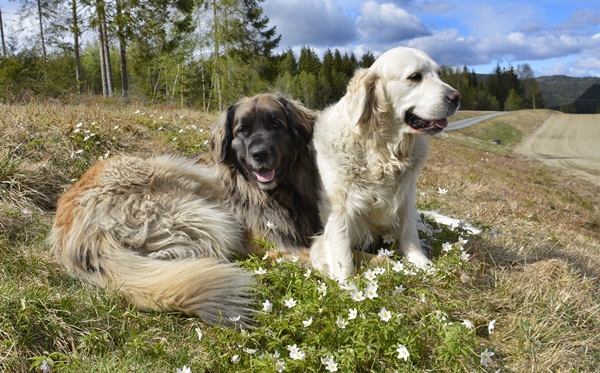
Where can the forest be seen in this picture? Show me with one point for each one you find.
(197, 53)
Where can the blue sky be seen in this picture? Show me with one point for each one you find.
(553, 37)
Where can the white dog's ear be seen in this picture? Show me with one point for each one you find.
(367, 98)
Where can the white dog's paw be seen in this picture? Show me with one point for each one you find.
(419, 259)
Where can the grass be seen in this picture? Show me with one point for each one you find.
(534, 271)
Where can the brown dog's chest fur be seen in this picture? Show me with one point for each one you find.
(286, 216)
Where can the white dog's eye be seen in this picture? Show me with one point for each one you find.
(416, 77)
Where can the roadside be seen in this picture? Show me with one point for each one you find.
(569, 141)
(470, 121)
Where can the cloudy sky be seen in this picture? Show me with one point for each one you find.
(552, 36)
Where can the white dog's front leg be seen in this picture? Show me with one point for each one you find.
(409, 242)
(331, 253)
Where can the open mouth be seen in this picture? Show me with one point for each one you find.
(430, 127)
(264, 175)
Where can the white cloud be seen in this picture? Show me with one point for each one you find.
(384, 23)
(310, 22)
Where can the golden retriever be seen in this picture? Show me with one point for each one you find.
(162, 230)
(370, 148)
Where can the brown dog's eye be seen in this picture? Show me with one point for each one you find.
(416, 77)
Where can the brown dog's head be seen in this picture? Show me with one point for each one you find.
(261, 137)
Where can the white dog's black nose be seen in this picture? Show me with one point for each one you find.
(454, 98)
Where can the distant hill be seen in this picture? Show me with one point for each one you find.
(589, 101)
(561, 89)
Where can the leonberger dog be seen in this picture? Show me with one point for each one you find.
(370, 148)
(162, 231)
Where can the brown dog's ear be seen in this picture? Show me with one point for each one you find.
(223, 134)
(367, 98)
(300, 120)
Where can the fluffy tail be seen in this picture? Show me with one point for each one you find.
(216, 291)
(155, 231)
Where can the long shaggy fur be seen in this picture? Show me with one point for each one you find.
(291, 206)
(162, 230)
(370, 148)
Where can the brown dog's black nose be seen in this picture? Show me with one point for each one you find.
(455, 97)
(260, 154)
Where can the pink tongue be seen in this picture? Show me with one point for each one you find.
(264, 176)
(442, 123)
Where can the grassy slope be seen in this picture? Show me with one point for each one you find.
(538, 278)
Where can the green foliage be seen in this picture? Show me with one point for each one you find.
(361, 332)
(513, 101)
(589, 101)
(559, 90)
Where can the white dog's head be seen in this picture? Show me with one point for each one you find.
(405, 83)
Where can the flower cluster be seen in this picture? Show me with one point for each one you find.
(313, 320)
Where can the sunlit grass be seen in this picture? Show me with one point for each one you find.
(533, 271)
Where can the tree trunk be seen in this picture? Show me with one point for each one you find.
(76, 46)
(216, 75)
(106, 48)
(39, 4)
(2, 35)
(102, 63)
(123, 51)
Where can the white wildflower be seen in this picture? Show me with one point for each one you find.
(341, 322)
(447, 246)
(385, 253)
(398, 289)
(185, 369)
(388, 239)
(464, 255)
(267, 306)
(370, 275)
(308, 322)
(486, 357)
(260, 271)
(280, 366)
(402, 352)
(385, 315)
(371, 291)
(468, 324)
(398, 266)
(295, 352)
(352, 313)
(357, 296)
(491, 326)
(199, 332)
(290, 303)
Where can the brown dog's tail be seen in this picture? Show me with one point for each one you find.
(215, 291)
(154, 231)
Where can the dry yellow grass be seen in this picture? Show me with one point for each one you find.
(538, 278)
(544, 267)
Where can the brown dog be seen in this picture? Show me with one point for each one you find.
(162, 230)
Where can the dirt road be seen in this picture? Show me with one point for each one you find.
(570, 141)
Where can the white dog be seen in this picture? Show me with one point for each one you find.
(370, 148)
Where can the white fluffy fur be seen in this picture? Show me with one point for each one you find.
(369, 158)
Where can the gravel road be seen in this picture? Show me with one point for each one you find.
(570, 141)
